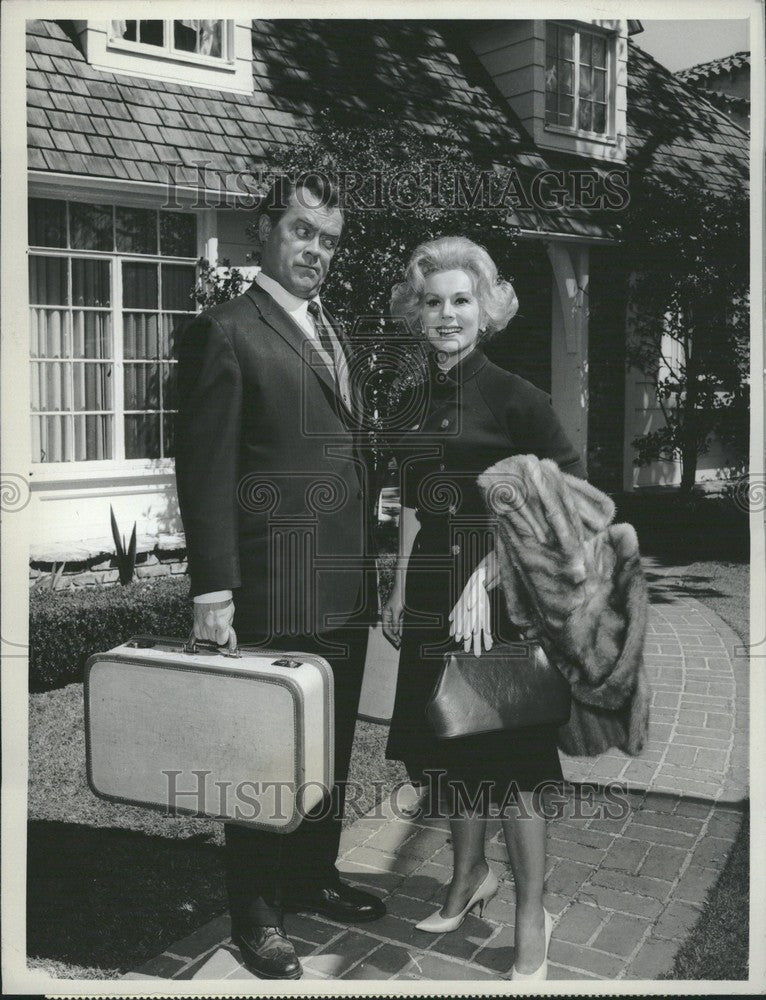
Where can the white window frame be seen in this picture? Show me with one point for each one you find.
(170, 53)
(118, 464)
(611, 83)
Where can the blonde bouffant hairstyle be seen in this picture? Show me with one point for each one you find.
(497, 299)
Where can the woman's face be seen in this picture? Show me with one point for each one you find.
(450, 314)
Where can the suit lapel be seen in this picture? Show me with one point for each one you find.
(279, 321)
(276, 317)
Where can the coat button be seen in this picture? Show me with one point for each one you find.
(445, 423)
(358, 494)
(442, 467)
(452, 509)
(455, 550)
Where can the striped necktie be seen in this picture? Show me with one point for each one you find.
(323, 332)
(319, 325)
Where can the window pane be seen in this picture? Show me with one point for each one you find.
(91, 334)
(92, 437)
(140, 335)
(168, 434)
(599, 85)
(586, 115)
(136, 230)
(48, 281)
(151, 32)
(551, 76)
(90, 282)
(90, 226)
(201, 36)
(566, 43)
(567, 78)
(142, 388)
(599, 118)
(51, 386)
(92, 386)
(52, 438)
(586, 83)
(178, 234)
(148, 32)
(142, 435)
(125, 30)
(551, 108)
(178, 282)
(47, 222)
(586, 41)
(173, 326)
(139, 286)
(566, 111)
(48, 333)
(169, 401)
(599, 51)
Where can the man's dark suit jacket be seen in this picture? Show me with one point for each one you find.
(268, 487)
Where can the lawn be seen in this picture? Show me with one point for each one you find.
(110, 886)
(717, 947)
(722, 586)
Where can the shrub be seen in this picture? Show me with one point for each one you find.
(125, 556)
(686, 527)
(66, 627)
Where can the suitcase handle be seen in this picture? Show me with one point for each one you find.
(193, 645)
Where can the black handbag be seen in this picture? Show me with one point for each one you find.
(512, 686)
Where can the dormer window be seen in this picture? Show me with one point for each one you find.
(194, 52)
(578, 80)
(194, 38)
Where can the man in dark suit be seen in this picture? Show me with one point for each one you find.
(271, 495)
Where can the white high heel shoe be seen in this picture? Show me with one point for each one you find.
(437, 924)
(541, 972)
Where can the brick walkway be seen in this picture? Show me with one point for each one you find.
(625, 890)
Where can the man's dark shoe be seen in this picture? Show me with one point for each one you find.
(339, 902)
(269, 953)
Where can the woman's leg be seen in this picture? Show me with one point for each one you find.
(524, 829)
(468, 828)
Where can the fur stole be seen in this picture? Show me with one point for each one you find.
(573, 580)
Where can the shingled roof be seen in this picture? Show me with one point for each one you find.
(90, 122)
(675, 134)
(716, 67)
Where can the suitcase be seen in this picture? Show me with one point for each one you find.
(243, 736)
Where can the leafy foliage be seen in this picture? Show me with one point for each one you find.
(414, 185)
(217, 284)
(49, 581)
(66, 627)
(125, 557)
(689, 251)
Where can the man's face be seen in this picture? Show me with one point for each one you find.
(297, 250)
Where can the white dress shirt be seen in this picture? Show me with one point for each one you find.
(295, 307)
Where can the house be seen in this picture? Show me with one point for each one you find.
(725, 83)
(138, 128)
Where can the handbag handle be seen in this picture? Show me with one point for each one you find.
(194, 645)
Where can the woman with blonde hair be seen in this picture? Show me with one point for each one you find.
(445, 591)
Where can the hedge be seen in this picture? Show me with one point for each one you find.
(686, 528)
(65, 627)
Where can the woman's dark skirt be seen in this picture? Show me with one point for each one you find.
(495, 764)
